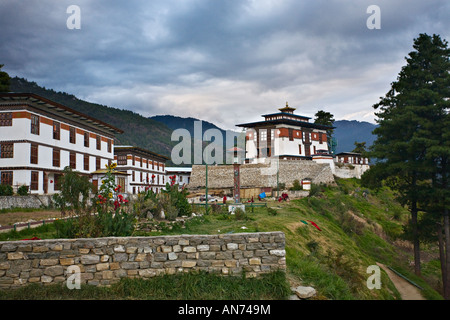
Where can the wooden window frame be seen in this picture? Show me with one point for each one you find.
(86, 162)
(34, 184)
(86, 139)
(56, 130)
(35, 120)
(5, 119)
(34, 153)
(72, 135)
(73, 160)
(98, 163)
(7, 150)
(56, 158)
(7, 177)
(98, 142)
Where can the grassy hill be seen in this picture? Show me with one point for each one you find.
(359, 228)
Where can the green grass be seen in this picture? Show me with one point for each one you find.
(358, 230)
(185, 286)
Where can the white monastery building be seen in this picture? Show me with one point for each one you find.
(145, 169)
(287, 136)
(39, 138)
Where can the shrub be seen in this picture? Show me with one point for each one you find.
(6, 190)
(296, 186)
(22, 191)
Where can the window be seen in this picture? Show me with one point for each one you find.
(97, 163)
(300, 149)
(263, 135)
(291, 134)
(5, 119)
(142, 177)
(134, 160)
(73, 160)
(34, 154)
(7, 150)
(122, 160)
(132, 176)
(121, 182)
(109, 145)
(7, 178)
(86, 162)
(86, 139)
(56, 130)
(34, 124)
(56, 158)
(72, 138)
(34, 180)
(99, 142)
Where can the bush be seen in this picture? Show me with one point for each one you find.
(22, 191)
(296, 186)
(6, 190)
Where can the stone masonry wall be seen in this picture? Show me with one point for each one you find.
(262, 175)
(30, 201)
(104, 261)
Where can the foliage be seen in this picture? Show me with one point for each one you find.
(5, 80)
(22, 191)
(326, 119)
(74, 194)
(412, 143)
(108, 215)
(296, 186)
(6, 190)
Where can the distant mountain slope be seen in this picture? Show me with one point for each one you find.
(347, 132)
(139, 131)
(175, 122)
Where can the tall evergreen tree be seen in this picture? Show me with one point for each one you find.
(413, 119)
(5, 80)
(327, 119)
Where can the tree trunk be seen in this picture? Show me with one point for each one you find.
(447, 253)
(415, 239)
(442, 259)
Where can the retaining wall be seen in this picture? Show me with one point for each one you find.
(30, 201)
(104, 261)
(262, 175)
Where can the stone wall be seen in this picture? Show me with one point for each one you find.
(262, 175)
(103, 261)
(30, 201)
(348, 171)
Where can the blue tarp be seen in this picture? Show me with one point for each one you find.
(262, 195)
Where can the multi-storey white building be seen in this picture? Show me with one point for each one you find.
(39, 138)
(145, 169)
(287, 136)
(182, 175)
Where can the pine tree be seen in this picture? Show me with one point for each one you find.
(4, 80)
(412, 137)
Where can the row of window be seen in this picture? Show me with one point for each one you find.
(6, 120)
(148, 178)
(6, 178)
(122, 161)
(7, 151)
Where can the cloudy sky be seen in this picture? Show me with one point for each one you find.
(224, 61)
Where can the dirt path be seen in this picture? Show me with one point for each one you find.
(8, 219)
(406, 289)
